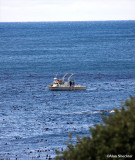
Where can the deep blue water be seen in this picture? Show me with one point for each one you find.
(35, 121)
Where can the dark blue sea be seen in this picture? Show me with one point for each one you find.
(34, 121)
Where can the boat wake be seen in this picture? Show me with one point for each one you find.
(87, 112)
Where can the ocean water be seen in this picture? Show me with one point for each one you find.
(34, 121)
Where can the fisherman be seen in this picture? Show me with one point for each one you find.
(70, 83)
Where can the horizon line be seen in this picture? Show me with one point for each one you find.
(61, 21)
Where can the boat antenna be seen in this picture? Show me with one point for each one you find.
(70, 77)
(64, 76)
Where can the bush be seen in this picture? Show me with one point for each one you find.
(113, 139)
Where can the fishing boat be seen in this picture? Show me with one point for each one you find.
(61, 85)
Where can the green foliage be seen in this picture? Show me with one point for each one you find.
(116, 136)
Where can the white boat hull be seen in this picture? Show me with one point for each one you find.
(68, 88)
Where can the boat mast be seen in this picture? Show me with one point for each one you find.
(70, 77)
(64, 76)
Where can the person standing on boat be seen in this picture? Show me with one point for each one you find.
(70, 83)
